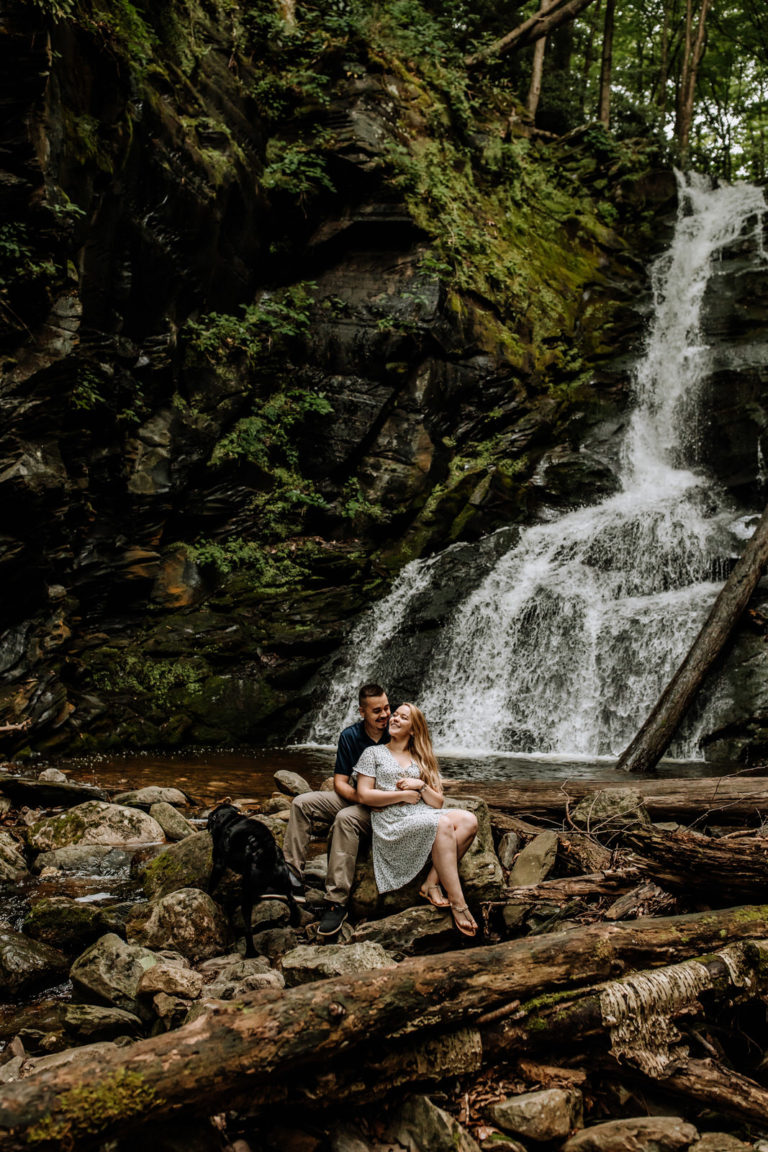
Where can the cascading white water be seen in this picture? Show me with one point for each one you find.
(568, 641)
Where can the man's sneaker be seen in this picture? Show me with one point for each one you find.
(332, 920)
(297, 888)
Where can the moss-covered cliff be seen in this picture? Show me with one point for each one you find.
(286, 301)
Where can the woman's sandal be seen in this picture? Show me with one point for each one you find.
(465, 929)
(425, 895)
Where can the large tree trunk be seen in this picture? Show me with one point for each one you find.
(606, 65)
(692, 56)
(537, 66)
(221, 1060)
(531, 30)
(732, 797)
(652, 740)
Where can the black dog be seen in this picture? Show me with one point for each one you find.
(248, 847)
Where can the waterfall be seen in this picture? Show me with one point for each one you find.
(566, 643)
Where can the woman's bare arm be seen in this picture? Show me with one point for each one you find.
(373, 797)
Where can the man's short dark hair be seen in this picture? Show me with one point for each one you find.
(367, 690)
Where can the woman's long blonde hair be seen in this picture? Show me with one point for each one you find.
(420, 747)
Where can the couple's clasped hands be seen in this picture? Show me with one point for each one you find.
(412, 786)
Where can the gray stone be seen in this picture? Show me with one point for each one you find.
(187, 920)
(640, 1134)
(186, 864)
(610, 810)
(414, 931)
(316, 869)
(52, 776)
(291, 783)
(310, 962)
(536, 861)
(25, 963)
(171, 821)
(276, 804)
(347, 1138)
(183, 983)
(549, 1114)
(509, 846)
(420, 1126)
(146, 797)
(86, 860)
(499, 1142)
(234, 977)
(110, 970)
(94, 823)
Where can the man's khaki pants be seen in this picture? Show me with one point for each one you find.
(348, 823)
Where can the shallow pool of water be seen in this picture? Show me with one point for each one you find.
(209, 775)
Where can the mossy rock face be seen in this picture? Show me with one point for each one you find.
(64, 924)
(186, 864)
(95, 823)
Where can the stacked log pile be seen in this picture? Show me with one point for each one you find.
(615, 1001)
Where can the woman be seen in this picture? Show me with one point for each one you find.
(400, 782)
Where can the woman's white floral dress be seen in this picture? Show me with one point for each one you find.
(403, 834)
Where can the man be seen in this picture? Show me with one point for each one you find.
(349, 822)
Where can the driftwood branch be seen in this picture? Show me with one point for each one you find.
(222, 1059)
(654, 737)
(530, 31)
(722, 869)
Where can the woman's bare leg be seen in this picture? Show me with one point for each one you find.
(445, 860)
(465, 829)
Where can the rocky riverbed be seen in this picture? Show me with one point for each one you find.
(111, 940)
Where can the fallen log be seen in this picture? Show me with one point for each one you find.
(654, 737)
(714, 869)
(564, 888)
(220, 1060)
(678, 799)
(633, 1017)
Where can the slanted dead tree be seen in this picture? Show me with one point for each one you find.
(542, 24)
(654, 737)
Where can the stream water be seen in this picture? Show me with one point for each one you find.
(567, 641)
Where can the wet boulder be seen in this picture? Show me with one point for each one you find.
(310, 962)
(146, 797)
(86, 860)
(420, 1126)
(661, 1133)
(94, 823)
(171, 821)
(172, 979)
(232, 977)
(110, 971)
(543, 1116)
(66, 924)
(610, 810)
(48, 793)
(536, 860)
(186, 864)
(25, 963)
(416, 931)
(291, 783)
(89, 1023)
(187, 920)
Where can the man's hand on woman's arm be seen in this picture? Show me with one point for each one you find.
(343, 788)
(374, 797)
